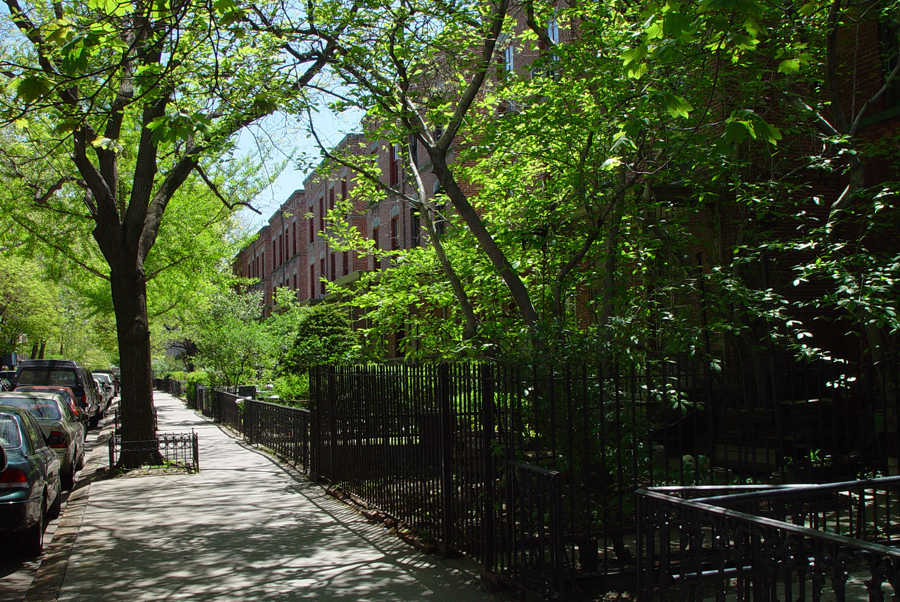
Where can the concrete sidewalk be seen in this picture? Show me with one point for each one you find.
(243, 528)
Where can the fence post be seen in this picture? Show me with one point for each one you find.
(485, 374)
(446, 451)
(332, 421)
(315, 433)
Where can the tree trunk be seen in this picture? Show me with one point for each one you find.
(138, 426)
(514, 283)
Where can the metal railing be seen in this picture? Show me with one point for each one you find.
(282, 429)
(801, 542)
(465, 454)
(167, 450)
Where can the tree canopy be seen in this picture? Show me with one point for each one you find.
(688, 178)
(112, 107)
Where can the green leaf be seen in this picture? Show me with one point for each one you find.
(677, 106)
(32, 87)
(611, 163)
(789, 67)
(65, 126)
(107, 144)
(736, 131)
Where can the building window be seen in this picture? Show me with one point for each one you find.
(395, 232)
(322, 278)
(553, 31)
(333, 268)
(395, 164)
(322, 214)
(890, 54)
(509, 59)
(344, 189)
(375, 238)
(346, 262)
(294, 236)
(415, 221)
(312, 230)
(312, 281)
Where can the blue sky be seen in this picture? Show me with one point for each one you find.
(291, 142)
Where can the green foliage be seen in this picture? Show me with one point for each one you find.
(194, 378)
(649, 183)
(28, 304)
(323, 335)
(292, 388)
(233, 344)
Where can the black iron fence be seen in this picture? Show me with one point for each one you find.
(166, 451)
(812, 542)
(282, 429)
(532, 470)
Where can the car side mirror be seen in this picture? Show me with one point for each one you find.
(4, 462)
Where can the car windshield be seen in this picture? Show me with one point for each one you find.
(9, 432)
(46, 409)
(47, 376)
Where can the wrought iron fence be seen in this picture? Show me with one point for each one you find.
(167, 450)
(283, 429)
(467, 454)
(807, 542)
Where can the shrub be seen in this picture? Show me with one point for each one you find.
(198, 377)
(292, 387)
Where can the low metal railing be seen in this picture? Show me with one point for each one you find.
(282, 429)
(808, 542)
(167, 450)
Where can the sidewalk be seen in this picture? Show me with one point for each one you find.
(243, 528)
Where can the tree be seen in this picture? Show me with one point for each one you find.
(653, 170)
(232, 342)
(323, 335)
(116, 105)
(28, 304)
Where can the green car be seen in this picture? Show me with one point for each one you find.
(30, 491)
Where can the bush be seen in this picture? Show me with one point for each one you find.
(291, 388)
(198, 377)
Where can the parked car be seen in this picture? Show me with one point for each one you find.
(30, 491)
(104, 392)
(67, 374)
(66, 392)
(64, 434)
(108, 382)
(114, 378)
(7, 380)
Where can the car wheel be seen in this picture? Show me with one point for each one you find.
(67, 479)
(33, 538)
(56, 507)
(80, 464)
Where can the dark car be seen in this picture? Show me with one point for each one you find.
(64, 434)
(29, 482)
(7, 380)
(64, 373)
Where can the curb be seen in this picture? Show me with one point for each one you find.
(51, 573)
